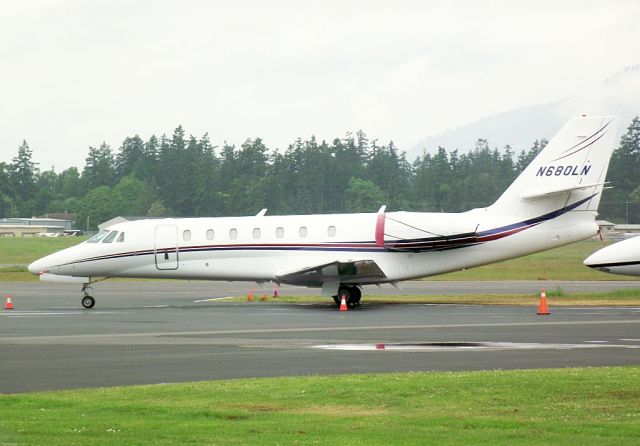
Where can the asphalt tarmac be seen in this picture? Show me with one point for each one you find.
(156, 332)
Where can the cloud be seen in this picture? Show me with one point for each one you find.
(82, 72)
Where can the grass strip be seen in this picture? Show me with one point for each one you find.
(555, 297)
(551, 406)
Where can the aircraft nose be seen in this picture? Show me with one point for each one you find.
(37, 267)
(588, 261)
(597, 258)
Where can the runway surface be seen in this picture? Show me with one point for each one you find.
(154, 332)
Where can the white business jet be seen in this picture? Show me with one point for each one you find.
(552, 203)
(620, 258)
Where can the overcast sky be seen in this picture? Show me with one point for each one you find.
(76, 73)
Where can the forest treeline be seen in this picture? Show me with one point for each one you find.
(180, 175)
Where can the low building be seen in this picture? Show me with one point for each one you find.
(624, 231)
(605, 227)
(616, 232)
(16, 230)
(61, 216)
(38, 221)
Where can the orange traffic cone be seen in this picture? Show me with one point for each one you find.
(8, 305)
(543, 310)
(265, 298)
(343, 303)
(250, 296)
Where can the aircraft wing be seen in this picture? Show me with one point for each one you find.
(340, 272)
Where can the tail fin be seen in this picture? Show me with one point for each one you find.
(571, 169)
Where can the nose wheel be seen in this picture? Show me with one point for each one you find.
(87, 300)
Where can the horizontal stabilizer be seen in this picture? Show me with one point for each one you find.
(543, 193)
(46, 277)
(343, 272)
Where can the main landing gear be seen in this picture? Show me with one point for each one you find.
(351, 293)
(87, 300)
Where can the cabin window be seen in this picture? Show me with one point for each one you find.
(99, 236)
(111, 237)
(233, 233)
(210, 234)
(279, 232)
(120, 238)
(186, 235)
(256, 232)
(331, 231)
(302, 231)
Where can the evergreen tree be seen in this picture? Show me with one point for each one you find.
(5, 179)
(7, 205)
(131, 152)
(391, 172)
(245, 172)
(171, 170)
(207, 201)
(526, 156)
(69, 183)
(99, 205)
(45, 191)
(363, 196)
(22, 180)
(99, 169)
(184, 176)
(624, 177)
(137, 195)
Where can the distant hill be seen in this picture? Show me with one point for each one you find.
(618, 95)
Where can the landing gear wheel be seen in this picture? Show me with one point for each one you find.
(88, 302)
(351, 293)
(356, 294)
(343, 290)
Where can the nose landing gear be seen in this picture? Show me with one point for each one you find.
(87, 300)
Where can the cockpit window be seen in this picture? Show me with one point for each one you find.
(111, 237)
(120, 238)
(99, 236)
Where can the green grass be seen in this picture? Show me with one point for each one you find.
(559, 406)
(564, 263)
(555, 297)
(22, 251)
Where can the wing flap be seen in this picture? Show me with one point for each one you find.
(341, 272)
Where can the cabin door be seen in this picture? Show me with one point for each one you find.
(166, 247)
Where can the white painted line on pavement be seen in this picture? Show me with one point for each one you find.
(213, 299)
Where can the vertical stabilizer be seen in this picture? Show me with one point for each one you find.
(570, 169)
